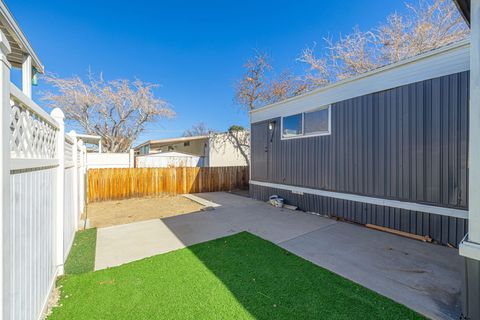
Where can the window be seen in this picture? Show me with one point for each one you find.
(186, 144)
(307, 124)
(316, 121)
(145, 149)
(292, 125)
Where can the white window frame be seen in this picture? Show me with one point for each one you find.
(292, 136)
(308, 135)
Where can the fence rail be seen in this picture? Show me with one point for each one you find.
(123, 183)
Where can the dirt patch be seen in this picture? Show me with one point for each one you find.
(53, 301)
(109, 213)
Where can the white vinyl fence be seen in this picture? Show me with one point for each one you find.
(109, 160)
(169, 160)
(45, 171)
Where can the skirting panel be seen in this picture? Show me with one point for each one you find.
(442, 229)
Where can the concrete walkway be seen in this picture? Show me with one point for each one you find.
(423, 276)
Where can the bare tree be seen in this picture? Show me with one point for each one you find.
(353, 54)
(250, 91)
(350, 55)
(428, 25)
(284, 86)
(117, 110)
(260, 86)
(199, 129)
(318, 73)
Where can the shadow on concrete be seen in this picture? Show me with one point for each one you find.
(422, 276)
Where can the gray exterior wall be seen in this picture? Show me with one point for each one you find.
(408, 143)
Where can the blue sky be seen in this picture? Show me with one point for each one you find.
(194, 49)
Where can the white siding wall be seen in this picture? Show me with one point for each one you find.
(225, 153)
(108, 160)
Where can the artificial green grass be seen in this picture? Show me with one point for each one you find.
(237, 277)
(82, 255)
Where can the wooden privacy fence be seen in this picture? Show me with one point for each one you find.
(123, 183)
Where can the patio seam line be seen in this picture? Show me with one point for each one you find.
(307, 233)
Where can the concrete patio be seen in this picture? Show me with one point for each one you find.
(422, 276)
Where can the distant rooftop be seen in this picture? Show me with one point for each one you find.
(171, 140)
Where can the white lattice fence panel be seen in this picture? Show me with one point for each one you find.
(31, 136)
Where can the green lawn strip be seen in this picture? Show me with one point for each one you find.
(237, 277)
(82, 255)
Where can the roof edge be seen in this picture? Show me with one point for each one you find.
(399, 64)
(20, 37)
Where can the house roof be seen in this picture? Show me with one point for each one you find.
(171, 140)
(453, 58)
(464, 7)
(18, 41)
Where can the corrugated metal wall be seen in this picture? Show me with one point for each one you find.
(408, 143)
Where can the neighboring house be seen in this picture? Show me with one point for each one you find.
(215, 150)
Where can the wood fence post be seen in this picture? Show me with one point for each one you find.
(4, 171)
(58, 115)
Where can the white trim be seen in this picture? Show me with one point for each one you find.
(440, 62)
(308, 135)
(469, 249)
(474, 127)
(449, 212)
(27, 76)
(27, 102)
(22, 164)
(281, 126)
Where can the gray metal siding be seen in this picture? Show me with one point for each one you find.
(443, 230)
(408, 143)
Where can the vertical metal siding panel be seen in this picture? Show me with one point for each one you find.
(420, 143)
(452, 140)
(370, 180)
(464, 138)
(436, 153)
(444, 143)
(382, 150)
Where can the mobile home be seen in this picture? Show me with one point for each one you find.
(388, 148)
